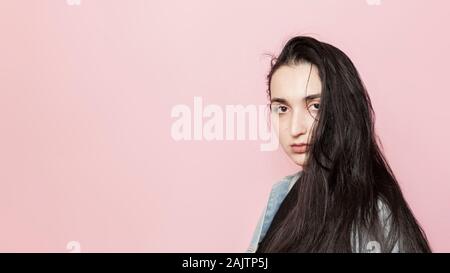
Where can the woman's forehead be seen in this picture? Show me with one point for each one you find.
(290, 81)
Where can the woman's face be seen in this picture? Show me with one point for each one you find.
(295, 102)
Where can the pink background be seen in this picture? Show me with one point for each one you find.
(86, 93)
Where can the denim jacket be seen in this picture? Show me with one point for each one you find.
(276, 197)
(277, 194)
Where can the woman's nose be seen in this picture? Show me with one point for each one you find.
(298, 123)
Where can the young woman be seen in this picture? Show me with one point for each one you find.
(346, 197)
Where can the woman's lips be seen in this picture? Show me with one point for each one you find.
(299, 148)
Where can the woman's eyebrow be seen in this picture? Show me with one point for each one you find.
(280, 100)
(284, 101)
(311, 97)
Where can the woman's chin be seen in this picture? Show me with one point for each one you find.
(298, 158)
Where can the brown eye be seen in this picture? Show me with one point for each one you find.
(279, 109)
(314, 106)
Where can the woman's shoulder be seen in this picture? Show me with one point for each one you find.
(277, 194)
(287, 181)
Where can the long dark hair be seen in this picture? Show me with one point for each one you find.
(336, 201)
